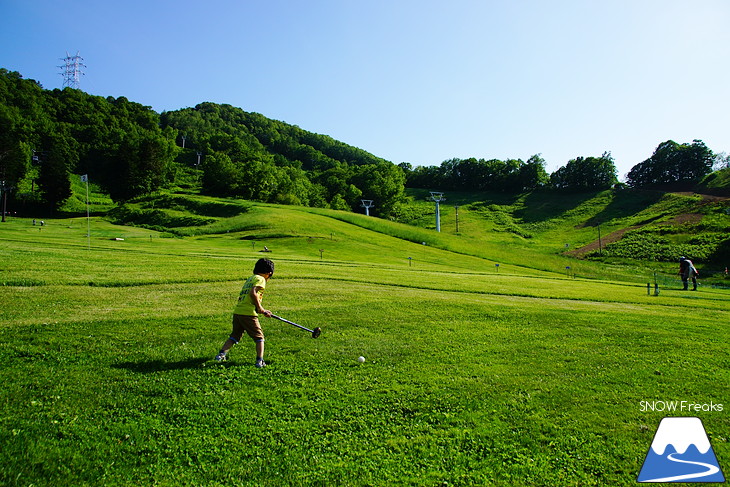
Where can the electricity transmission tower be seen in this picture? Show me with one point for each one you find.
(71, 70)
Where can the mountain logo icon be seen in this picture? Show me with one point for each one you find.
(681, 452)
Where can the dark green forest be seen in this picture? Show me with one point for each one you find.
(49, 136)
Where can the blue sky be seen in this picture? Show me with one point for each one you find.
(417, 81)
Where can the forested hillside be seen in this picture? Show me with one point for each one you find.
(129, 150)
(48, 137)
(248, 155)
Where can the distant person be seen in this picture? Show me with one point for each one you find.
(687, 271)
(247, 310)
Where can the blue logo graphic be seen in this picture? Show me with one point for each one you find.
(681, 452)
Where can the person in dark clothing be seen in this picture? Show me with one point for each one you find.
(687, 271)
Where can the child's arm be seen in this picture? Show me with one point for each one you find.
(256, 300)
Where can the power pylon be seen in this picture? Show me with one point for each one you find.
(71, 70)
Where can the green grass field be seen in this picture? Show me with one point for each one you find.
(474, 374)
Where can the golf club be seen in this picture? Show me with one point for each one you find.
(315, 333)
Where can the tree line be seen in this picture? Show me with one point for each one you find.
(129, 150)
(672, 165)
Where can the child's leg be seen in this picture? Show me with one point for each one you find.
(234, 338)
(259, 350)
(224, 349)
(252, 327)
(228, 345)
(254, 330)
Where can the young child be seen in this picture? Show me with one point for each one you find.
(247, 310)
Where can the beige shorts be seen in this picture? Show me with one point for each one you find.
(249, 325)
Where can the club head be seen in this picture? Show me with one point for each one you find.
(316, 332)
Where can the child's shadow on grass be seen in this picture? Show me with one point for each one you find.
(161, 365)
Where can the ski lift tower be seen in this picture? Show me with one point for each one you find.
(437, 198)
(367, 204)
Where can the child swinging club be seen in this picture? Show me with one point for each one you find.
(247, 310)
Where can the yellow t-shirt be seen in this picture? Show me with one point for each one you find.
(245, 305)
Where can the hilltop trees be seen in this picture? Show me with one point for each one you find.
(532, 174)
(480, 174)
(586, 174)
(673, 163)
(515, 175)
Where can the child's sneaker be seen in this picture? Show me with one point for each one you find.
(221, 357)
(260, 363)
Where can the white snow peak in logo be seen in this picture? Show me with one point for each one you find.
(681, 452)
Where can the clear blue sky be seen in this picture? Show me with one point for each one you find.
(417, 81)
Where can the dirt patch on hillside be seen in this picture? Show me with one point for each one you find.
(705, 197)
(611, 237)
(683, 218)
(618, 234)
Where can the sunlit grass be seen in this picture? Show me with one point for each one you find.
(473, 376)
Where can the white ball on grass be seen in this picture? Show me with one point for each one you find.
(361, 359)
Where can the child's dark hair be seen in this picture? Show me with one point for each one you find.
(263, 266)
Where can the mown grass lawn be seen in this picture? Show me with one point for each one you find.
(472, 377)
